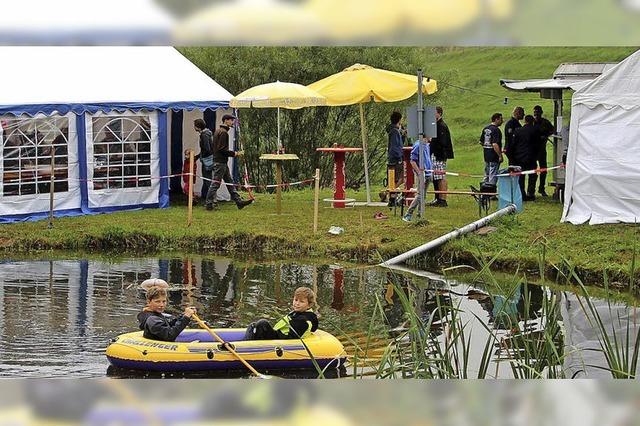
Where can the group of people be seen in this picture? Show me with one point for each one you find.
(436, 151)
(525, 146)
(214, 155)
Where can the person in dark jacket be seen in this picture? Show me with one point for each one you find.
(524, 151)
(297, 324)
(545, 130)
(491, 141)
(156, 324)
(221, 154)
(510, 130)
(441, 151)
(206, 155)
(394, 152)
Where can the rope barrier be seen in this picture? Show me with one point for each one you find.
(237, 185)
(247, 186)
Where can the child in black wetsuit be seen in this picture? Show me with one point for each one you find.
(295, 325)
(156, 324)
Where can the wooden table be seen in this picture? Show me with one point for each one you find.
(279, 158)
(339, 153)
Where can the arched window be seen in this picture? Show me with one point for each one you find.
(121, 152)
(27, 145)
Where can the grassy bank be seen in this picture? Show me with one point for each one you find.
(516, 244)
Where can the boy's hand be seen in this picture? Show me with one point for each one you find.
(188, 312)
(239, 153)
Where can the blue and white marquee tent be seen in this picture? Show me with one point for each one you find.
(111, 116)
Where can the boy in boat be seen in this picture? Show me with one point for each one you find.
(296, 324)
(156, 324)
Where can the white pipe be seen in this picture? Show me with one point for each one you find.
(451, 235)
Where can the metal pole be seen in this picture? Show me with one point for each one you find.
(421, 150)
(52, 184)
(363, 131)
(451, 235)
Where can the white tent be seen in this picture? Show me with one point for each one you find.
(112, 117)
(84, 22)
(603, 158)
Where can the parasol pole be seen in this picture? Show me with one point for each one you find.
(279, 144)
(363, 131)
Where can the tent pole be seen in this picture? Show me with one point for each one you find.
(363, 131)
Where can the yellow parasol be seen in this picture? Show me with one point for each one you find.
(278, 95)
(359, 83)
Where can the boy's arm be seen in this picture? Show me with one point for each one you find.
(167, 332)
(300, 324)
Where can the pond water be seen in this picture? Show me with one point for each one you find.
(57, 316)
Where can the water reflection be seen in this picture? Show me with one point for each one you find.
(57, 316)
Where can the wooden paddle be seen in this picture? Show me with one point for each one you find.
(229, 348)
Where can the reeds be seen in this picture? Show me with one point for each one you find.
(439, 344)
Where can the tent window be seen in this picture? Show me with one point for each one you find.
(26, 147)
(121, 152)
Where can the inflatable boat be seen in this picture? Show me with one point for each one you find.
(197, 350)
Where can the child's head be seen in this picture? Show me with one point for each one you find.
(156, 299)
(303, 299)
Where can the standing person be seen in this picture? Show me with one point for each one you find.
(524, 151)
(545, 129)
(415, 165)
(441, 151)
(394, 152)
(206, 154)
(221, 155)
(510, 131)
(491, 141)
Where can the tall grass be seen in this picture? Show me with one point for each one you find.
(438, 344)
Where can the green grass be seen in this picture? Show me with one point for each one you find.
(257, 231)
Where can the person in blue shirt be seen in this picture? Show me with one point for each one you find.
(415, 165)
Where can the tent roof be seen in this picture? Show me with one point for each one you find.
(537, 85)
(619, 86)
(570, 75)
(79, 79)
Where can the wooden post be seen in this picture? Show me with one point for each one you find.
(316, 199)
(52, 184)
(391, 173)
(190, 189)
(278, 187)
